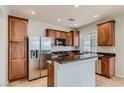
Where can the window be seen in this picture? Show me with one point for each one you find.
(89, 42)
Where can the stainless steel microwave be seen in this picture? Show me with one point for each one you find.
(60, 42)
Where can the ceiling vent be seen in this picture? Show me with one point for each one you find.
(71, 19)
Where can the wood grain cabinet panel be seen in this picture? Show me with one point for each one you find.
(50, 80)
(17, 68)
(69, 38)
(58, 34)
(105, 67)
(63, 35)
(106, 33)
(17, 30)
(101, 35)
(17, 50)
(108, 66)
(76, 57)
(71, 56)
(72, 37)
(76, 37)
(52, 34)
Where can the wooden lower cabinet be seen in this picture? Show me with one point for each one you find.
(17, 69)
(50, 79)
(108, 66)
(76, 57)
(73, 56)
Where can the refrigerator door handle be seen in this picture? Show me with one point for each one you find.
(36, 54)
(31, 53)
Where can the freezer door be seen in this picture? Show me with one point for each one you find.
(45, 43)
(34, 58)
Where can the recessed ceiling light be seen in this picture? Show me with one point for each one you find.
(33, 12)
(59, 20)
(75, 24)
(96, 15)
(76, 6)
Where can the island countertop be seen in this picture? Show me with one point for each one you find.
(63, 68)
(66, 60)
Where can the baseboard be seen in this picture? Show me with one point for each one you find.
(3, 85)
(119, 75)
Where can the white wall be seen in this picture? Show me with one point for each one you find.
(119, 41)
(3, 45)
(37, 28)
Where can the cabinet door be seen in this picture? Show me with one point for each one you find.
(101, 35)
(18, 30)
(76, 38)
(17, 63)
(112, 66)
(105, 66)
(69, 38)
(106, 34)
(109, 30)
(58, 34)
(71, 56)
(63, 35)
(50, 81)
(17, 48)
(76, 57)
(52, 34)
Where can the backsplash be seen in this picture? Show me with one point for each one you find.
(106, 49)
(63, 48)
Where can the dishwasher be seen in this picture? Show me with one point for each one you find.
(98, 66)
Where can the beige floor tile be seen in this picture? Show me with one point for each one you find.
(42, 82)
(113, 82)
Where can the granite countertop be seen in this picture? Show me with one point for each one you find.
(65, 60)
(81, 56)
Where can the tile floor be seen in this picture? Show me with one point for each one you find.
(42, 82)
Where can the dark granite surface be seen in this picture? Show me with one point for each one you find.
(69, 51)
(84, 52)
(107, 54)
(65, 60)
(63, 56)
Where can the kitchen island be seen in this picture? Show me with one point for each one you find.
(72, 73)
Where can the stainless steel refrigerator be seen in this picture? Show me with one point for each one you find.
(39, 51)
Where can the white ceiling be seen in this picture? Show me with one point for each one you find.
(50, 13)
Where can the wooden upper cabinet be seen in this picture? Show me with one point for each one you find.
(69, 38)
(17, 32)
(72, 38)
(52, 34)
(58, 34)
(76, 37)
(106, 33)
(63, 35)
